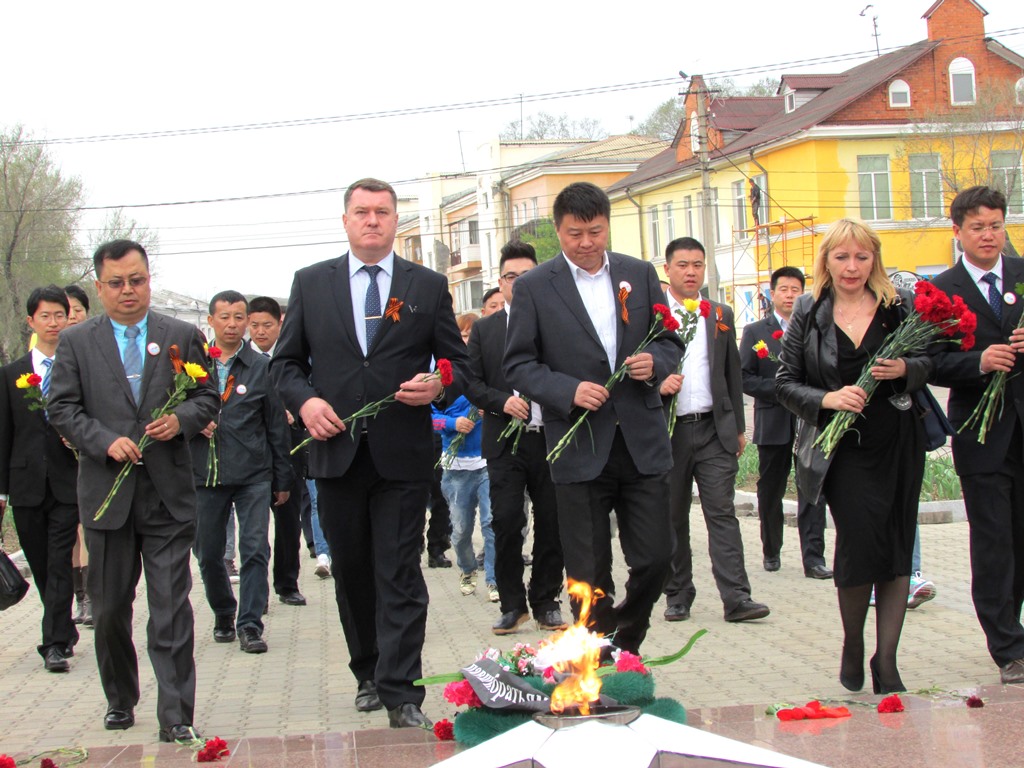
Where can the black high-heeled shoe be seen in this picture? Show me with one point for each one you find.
(851, 669)
(878, 686)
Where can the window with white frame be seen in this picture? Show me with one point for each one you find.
(790, 101)
(739, 207)
(1006, 176)
(899, 94)
(925, 186)
(670, 222)
(652, 215)
(473, 228)
(688, 215)
(873, 187)
(1019, 87)
(469, 295)
(961, 81)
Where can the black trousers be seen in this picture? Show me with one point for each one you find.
(698, 454)
(995, 513)
(511, 476)
(287, 533)
(584, 522)
(774, 464)
(439, 529)
(374, 528)
(48, 534)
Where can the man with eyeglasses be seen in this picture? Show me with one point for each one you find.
(37, 476)
(111, 372)
(515, 466)
(991, 473)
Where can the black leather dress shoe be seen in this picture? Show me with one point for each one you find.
(438, 560)
(118, 719)
(551, 620)
(772, 564)
(408, 716)
(180, 733)
(251, 641)
(292, 598)
(367, 699)
(677, 613)
(748, 610)
(54, 660)
(818, 572)
(510, 622)
(224, 628)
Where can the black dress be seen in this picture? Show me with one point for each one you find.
(874, 481)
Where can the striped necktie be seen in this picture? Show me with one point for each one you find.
(44, 386)
(133, 361)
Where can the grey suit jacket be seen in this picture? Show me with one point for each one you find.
(552, 347)
(91, 405)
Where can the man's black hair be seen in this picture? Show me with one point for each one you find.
(516, 249)
(788, 272)
(583, 200)
(116, 250)
(973, 198)
(51, 293)
(229, 297)
(266, 304)
(682, 244)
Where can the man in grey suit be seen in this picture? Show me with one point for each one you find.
(706, 444)
(575, 320)
(111, 372)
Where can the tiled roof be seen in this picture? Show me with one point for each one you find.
(810, 82)
(627, 149)
(744, 113)
(455, 196)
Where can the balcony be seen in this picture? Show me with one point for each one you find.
(465, 260)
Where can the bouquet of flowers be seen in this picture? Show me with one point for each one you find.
(761, 348)
(456, 444)
(30, 383)
(443, 371)
(186, 377)
(693, 311)
(935, 318)
(990, 407)
(663, 321)
(212, 460)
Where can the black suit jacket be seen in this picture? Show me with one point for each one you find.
(31, 451)
(960, 371)
(773, 424)
(552, 346)
(486, 386)
(726, 377)
(91, 405)
(318, 355)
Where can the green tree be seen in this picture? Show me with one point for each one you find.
(39, 214)
(540, 233)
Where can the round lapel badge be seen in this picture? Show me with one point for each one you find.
(241, 389)
(1010, 297)
(153, 348)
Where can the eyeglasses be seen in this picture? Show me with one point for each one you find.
(510, 277)
(118, 283)
(995, 229)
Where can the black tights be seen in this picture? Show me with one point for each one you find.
(890, 609)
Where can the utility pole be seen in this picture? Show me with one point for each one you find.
(707, 209)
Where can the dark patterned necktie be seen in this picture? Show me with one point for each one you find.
(133, 361)
(372, 306)
(994, 299)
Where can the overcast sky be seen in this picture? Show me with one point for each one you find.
(102, 68)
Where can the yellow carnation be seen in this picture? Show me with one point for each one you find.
(195, 371)
(691, 305)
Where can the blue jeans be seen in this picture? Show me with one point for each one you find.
(465, 490)
(319, 542)
(253, 512)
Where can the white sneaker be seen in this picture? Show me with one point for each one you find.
(323, 567)
(467, 583)
(921, 591)
(492, 593)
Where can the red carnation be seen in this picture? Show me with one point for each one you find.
(975, 702)
(201, 379)
(34, 380)
(705, 308)
(214, 352)
(762, 352)
(444, 368)
(462, 693)
(7, 762)
(444, 730)
(47, 763)
(778, 335)
(629, 662)
(213, 750)
(967, 342)
(890, 704)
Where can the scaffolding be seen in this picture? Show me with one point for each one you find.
(757, 252)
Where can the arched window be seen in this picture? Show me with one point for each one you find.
(899, 94)
(961, 81)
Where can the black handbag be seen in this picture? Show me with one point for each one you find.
(936, 426)
(12, 584)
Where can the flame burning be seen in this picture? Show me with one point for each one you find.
(576, 652)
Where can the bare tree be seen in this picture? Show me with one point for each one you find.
(663, 122)
(120, 226)
(544, 125)
(39, 214)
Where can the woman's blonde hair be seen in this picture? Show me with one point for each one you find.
(865, 237)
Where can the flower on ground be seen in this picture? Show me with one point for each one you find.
(812, 711)
(47, 763)
(7, 762)
(890, 704)
(975, 702)
(213, 750)
(629, 662)
(462, 693)
(444, 730)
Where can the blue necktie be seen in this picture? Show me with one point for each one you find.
(372, 306)
(994, 299)
(44, 386)
(133, 361)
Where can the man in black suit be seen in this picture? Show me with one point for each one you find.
(774, 431)
(575, 320)
(706, 444)
(515, 469)
(111, 372)
(37, 475)
(360, 328)
(991, 473)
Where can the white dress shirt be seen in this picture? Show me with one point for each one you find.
(37, 362)
(977, 273)
(359, 281)
(695, 396)
(535, 412)
(598, 296)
